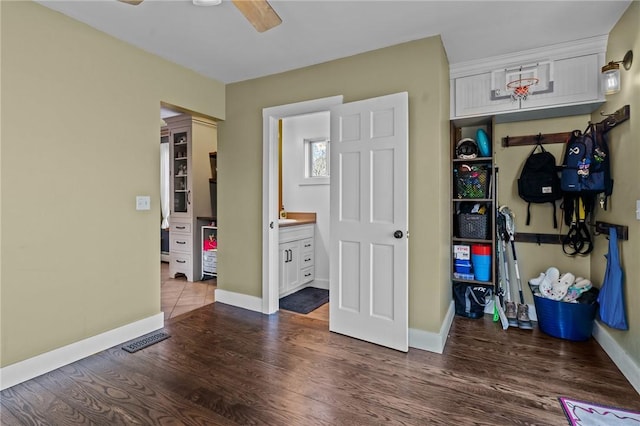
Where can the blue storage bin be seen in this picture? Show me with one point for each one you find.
(570, 321)
(463, 266)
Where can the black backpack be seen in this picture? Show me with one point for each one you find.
(539, 181)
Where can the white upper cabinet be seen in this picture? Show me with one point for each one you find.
(561, 80)
(473, 97)
(576, 80)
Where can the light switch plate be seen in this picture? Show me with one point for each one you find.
(143, 202)
(638, 209)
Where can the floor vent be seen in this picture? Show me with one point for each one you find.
(145, 341)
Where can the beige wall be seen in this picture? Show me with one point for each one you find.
(533, 258)
(418, 67)
(80, 139)
(625, 157)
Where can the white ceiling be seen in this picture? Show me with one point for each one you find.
(218, 42)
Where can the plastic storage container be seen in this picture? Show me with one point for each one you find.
(481, 260)
(570, 321)
(472, 225)
(472, 183)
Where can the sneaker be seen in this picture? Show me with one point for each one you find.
(511, 314)
(524, 321)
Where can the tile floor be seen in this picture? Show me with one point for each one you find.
(179, 296)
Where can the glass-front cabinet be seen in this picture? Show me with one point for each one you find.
(191, 140)
(181, 171)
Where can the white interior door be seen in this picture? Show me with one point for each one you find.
(369, 219)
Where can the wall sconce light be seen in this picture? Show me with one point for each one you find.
(611, 73)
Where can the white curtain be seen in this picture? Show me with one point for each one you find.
(164, 184)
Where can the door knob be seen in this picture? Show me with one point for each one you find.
(397, 234)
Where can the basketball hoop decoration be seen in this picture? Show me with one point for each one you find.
(520, 87)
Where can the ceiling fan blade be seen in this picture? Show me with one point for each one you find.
(259, 13)
(132, 2)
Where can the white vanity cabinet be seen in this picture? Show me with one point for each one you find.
(567, 75)
(296, 266)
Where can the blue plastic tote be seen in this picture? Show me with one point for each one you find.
(611, 298)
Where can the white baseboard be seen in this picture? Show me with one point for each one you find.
(419, 339)
(22, 371)
(433, 342)
(627, 366)
(320, 283)
(239, 300)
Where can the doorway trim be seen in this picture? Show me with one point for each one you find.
(270, 238)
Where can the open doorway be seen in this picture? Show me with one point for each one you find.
(271, 207)
(188, 198)
(304, 200)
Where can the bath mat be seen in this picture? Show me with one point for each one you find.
(305, 300)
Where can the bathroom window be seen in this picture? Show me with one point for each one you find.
(316, 161)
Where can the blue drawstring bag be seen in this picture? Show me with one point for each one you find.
(611, 299)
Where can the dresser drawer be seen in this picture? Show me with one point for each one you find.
(180, 263)
(180, 243)
(181, 227)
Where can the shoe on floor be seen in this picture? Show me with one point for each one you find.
(511, 313)
(524, 322)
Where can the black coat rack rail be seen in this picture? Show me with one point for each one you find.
(600, 228)
(609, 122)
(524, 237)
(622, 231)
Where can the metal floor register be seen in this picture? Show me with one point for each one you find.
(145, 341)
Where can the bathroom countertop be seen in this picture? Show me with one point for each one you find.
(297, 219)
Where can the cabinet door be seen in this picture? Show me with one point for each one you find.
(473, 97)
(181, 173)
(576, 80)
(289, 266)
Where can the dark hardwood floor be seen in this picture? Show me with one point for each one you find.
(224, 365)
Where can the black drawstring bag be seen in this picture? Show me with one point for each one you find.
(471, 299)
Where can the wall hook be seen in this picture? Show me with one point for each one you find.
(539, 138)
(610, 119)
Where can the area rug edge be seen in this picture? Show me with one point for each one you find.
(586, 405)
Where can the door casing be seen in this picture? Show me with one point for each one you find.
(270, 237)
